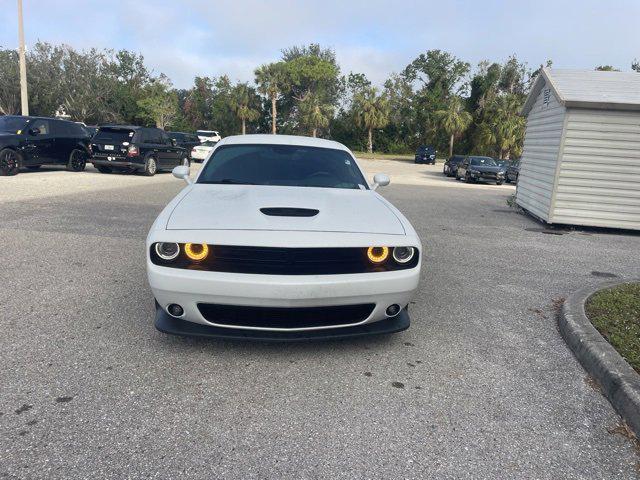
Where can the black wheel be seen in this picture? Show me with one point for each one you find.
(150, 167)
(9, 162)
(467, 178)
(77, 161)
(499, 183)
(34, 167)
(104, 169)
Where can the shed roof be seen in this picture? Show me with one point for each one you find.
(589, 89)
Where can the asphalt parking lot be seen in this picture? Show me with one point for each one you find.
(481, 385)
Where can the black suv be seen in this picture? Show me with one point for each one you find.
(475, 168)
(128, 148)
(185, 140)
(35, 141)
(426, 154)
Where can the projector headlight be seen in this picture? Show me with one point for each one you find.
(196, 251)
(403, 254)
(167, 250)
(377, 254)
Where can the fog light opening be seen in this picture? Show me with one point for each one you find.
(175, 310)
(393, 310)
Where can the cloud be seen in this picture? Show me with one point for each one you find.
(375, 37)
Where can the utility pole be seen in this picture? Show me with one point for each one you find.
(23, 63)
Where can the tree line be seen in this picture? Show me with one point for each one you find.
(437, 99)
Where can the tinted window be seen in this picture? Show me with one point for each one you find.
(486, 161)
(286, 165)
(152, 135)
(113, 135)
(42, 126)
(12, 124)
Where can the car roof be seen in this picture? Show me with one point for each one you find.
(124, 127)
(270, 139)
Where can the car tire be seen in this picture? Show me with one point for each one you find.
(104, 169)
(77, 161)
(9, 162)
(499, 183)
(467, 178)
(150, 167)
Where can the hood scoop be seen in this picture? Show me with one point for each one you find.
(289, 212)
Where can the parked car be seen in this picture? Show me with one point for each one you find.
(451, 165)
(185, 140)
(200, 152)
(425, 154)
(208, 135)
(281, 237)
(130, 148)
(35, 141)
(513, 171)
(476, 168)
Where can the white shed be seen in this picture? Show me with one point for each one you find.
(581, 159)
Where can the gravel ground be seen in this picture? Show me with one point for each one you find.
(481, 385)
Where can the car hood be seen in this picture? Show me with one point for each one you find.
(238, 207)
(486, 168)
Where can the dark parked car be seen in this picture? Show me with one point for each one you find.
(513, 171)
(35, 141)
(475, 169)
(426, 154)
(451, 165)
(129, 148)
(185, 140)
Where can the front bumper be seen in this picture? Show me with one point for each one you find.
(167, 324)
(187, 288)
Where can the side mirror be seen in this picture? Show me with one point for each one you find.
(182, 172)
(174, 142)
(380, 180)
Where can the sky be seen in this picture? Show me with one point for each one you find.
(209, 38)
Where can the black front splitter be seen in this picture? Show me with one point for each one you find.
(174, 326)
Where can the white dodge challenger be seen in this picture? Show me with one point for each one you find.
(281, 237)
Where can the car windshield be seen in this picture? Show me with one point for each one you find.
(12, 124)
(485, 161)
(286, 165)
(113, 135)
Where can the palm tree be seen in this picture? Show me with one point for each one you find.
(242, 102)
(454, 120)
(314, 114)
(271, 81)
(371, 111)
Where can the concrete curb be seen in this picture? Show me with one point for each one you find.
(620, 383)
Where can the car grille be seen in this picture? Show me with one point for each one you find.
(272, 317)
(283, 261)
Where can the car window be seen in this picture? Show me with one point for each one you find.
(286, 165)
(485, 161)
(153, 135)
(42, 126)
(164, 138)
(12, 124)
(113, 135)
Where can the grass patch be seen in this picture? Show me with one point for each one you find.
(615, 312)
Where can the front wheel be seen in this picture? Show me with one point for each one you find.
(77, 161)
(499, 183)
(9, 162)
(467, 178)
(150, 167)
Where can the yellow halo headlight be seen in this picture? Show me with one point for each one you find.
(196, 251)
(378, 254)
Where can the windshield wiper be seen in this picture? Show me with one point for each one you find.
(229, 181)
